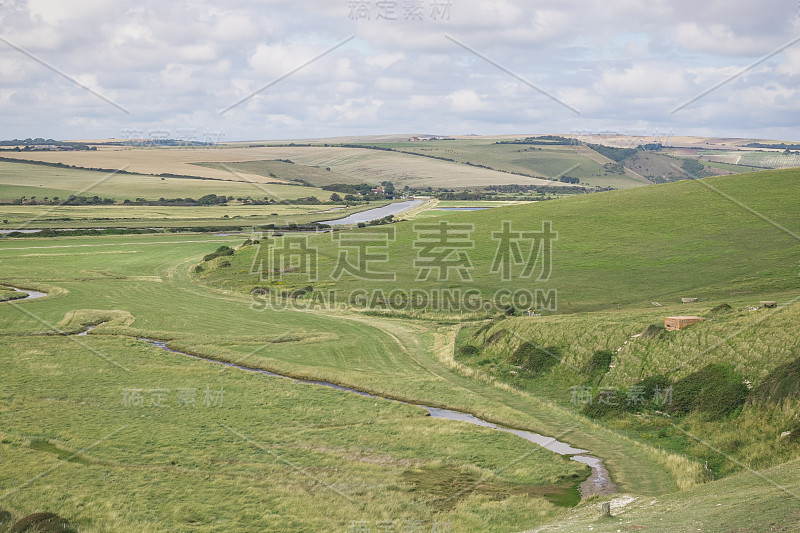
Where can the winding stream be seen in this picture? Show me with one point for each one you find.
(31, 295)
(598, 483)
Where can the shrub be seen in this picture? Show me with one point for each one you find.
(782, 383)
(198, 269)
(41, 523)
(650, 385)
(596, 409)
(654, 331)
(482, 330)
(597, 366)
(716, 390)
(225, 264)
(221, 251)
(721, 308)
(496, 336)
(468, 350)
(534, 358)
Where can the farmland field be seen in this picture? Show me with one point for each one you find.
(140, 285)
(19, 179)
(639, 232)
(44, 216)
(546, 161)
(348, 165)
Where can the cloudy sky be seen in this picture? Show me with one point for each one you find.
(276, 69)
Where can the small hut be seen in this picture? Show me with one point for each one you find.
(674, 323)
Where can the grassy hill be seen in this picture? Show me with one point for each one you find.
(751, 501)
(388, 459)
(729, 240)
(620, 249)
(540, 160)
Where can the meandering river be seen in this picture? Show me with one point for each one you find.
(598, 483)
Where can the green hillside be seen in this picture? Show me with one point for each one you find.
(620, 249)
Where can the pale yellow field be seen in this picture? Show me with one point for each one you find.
(359, 164)
(18, 213)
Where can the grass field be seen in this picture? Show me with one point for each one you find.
(348, 165)
(546, 161)
(285, 171)
(287, 457)
(690, 237)
(141, 285)
(19, 179)
(295, 457)
(753, 158)
(736, 169)
(167, 216)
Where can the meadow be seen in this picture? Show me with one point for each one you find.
(68, 392)
(618, 249)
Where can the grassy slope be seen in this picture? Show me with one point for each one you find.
(755, 343)
(547, 161)
(142, 281)
(617, 249)
(754, 502)
(284, 171)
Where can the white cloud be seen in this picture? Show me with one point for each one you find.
(466, 101)
(620, 62)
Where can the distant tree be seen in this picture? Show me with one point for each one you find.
(336, 198)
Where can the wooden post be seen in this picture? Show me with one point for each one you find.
(605, 510)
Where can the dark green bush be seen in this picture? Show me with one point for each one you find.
(597, 366)
(651, 385)
(716, 390)
(496, 336)
(42, 523)
(654, 331)
(468, 350)
(596, 409)
(782, 383)
(536, 359)
(721, 308)
(220, 252)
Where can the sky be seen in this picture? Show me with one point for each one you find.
(275, 69)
